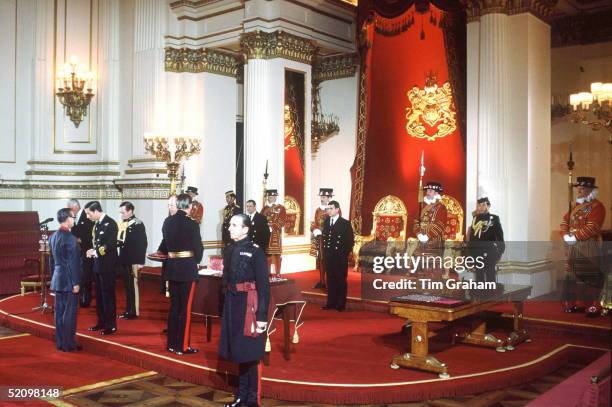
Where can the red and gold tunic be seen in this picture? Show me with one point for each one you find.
(277, 216)
(433, 221)
(586, 221)
(197, 211)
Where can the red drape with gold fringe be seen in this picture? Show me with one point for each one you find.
(400, 53)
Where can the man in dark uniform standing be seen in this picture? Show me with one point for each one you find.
(82, 229)
(245, 310)
(132, 242)
(66, 267)
(104, 254)
(486, 239)
(230, 210)
(183, 245)
(259, 232)
(338, 241)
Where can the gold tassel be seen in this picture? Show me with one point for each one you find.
(296, 338)
(268, 345)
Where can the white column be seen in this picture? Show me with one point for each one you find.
(150, 19)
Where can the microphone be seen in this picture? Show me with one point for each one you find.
(44, 222)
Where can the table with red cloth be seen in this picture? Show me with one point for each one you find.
(286, 304)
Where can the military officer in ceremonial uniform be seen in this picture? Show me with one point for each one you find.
(276, 215)
(66, 267)
(104, 254)
(486, 239)
(316, 227)
(230, 210)
(259, 232)
(245, 310)
(183, 245)
(338, 241)
(430, 229)
(132, 242)
(197, 209)
(82, 229)
(581, 231)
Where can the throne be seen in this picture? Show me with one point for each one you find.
(292, 220)
(454, 220)
(390, 219)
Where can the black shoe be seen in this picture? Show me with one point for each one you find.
(165, 330)
(319, 285)
(236, 403)
(592, 312)
(340, 309)
(94, 328)
(171, 350)
(84, 305)
(126, 315)
(574, 309)
(326, 307)
(109, 331)
(187, 351)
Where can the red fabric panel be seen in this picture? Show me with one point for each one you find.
(397, 64)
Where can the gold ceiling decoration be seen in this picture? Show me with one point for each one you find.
(201, 60)
(277, 44)
(433, 106)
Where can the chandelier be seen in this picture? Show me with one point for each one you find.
(75, 90)
(172, 151)
(597, 102)
(323, 126)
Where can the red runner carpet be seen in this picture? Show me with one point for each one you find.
(341, 358)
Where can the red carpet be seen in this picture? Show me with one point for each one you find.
(341, 357)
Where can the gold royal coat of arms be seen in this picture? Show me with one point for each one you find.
(433, 106)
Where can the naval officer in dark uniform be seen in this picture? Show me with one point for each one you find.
(183, 245)
(486, 240)
(338, 241)
(245, 309)
(66, 267)
(104, 254)
(132, 242)
(82, 229)
(259, 232)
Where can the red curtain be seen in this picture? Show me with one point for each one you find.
(398, 61)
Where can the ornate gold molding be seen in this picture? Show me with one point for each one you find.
(75, 173)
(277, 44)
(147, 171)
(18, 190)
(100, 163)
(539, 8)
(145, 160)
(335, 67)
(201, 60)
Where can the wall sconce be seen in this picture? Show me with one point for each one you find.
(75, 90)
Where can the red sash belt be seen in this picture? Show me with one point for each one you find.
(250, 318)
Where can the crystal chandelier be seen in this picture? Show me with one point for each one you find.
(597, 102)
(172, 151)
(75, 90)
(323, 126)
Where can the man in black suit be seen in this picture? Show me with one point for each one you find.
(66, 267)
(183, 245)
(132, 242)
(82, 229)
(338, 241)
(104, 254)
(259, 232)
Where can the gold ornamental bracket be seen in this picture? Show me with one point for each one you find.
(431, 105)
(173, 151)
(202, 60)
(277, 44)
(478, 8)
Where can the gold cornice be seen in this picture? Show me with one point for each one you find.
(201, 60)
(145, 160)
(191, 3)
(147, 171)
(335, 67)
(277, 44)
(100, 163)
(75, 173)
(84, 191)
(539, 8)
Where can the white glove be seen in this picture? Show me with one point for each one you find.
(569, 239)
(261, 327)
(422, 237)
(317, 232)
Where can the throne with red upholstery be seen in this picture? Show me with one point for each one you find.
(19, 236)
(454, 219)
(390, 220)
(293, 213)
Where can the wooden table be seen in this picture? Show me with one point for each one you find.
(421, 312)
(286, 303)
